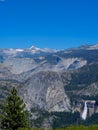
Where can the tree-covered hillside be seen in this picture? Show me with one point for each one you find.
(83, 82)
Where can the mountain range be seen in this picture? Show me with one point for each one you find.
(50, 80)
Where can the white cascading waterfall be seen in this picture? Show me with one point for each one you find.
(84, 114)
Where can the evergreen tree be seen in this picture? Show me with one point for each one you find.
(14, 114)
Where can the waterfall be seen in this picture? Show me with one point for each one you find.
(84, 114)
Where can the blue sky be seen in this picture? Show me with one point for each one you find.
(56, 24)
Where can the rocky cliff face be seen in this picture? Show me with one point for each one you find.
(86, 108)
(45, 90)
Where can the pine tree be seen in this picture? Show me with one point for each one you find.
(14, 114)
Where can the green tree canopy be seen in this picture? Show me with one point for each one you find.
(14, 114)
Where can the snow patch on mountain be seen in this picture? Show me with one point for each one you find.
(94, 47)
(34, 50)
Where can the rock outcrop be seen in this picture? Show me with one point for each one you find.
(45, 90)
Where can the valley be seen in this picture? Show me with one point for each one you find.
(53, 81)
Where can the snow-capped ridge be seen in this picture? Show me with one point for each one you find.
(19, 50)
(89, 47)
(93, 47)
(12, 51)
(34, 48)
(47, 50)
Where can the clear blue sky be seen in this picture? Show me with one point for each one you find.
(48, 23)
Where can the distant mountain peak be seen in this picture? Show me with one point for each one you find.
(85, 45)
(36, 49)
